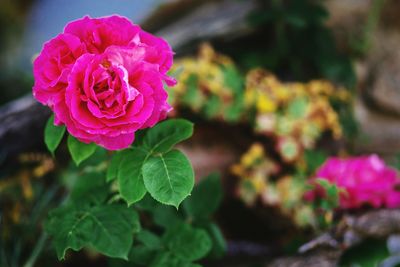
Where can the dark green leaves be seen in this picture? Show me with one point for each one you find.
(168, 259)
(108, 229)
(80, 151)
(205, 197)
(187, 242)
(184, 239)
(163, 136)
(89, 188)
(201, 205)
(179, 246)
(168, 177)
(53, 135)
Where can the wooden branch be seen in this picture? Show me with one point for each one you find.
(21, 125)
(217, 19)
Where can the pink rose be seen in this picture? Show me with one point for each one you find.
(365, 180)
(104, 80)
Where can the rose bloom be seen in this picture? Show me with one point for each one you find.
(365, 180)
(104, 79)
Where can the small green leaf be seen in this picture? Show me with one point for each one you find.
(314, 159)
(212, 107)
(193, 96)
(162, 137)
(168, 177)
(80, 151)
(149, 239)
(233, 79)
(219, 245)
(205, 198)
(53, 135)
(108, 229)
(324, 183)
(130, 178)
(187, 243)
(298, 108)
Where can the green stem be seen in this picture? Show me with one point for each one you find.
(36, 251)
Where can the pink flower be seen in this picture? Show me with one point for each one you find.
(104, 80)
(365, 180)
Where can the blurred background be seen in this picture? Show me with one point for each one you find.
(274, 87)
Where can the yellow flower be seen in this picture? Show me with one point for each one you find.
(265, 104)
(282, 93)
(255, 152)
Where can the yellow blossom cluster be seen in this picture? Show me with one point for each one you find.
(259, 179)
(301, 103)
(254, 169)
(294, 113)
(208, 83)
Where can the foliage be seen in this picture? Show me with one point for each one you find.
(295, 38)
(24, 203)
(145, 176)
(369, 253)
(187, 235)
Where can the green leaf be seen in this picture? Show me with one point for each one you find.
(80, 151)
(113, 167)
(235, 110)
(168, 177)
(166, 216)
(212, 107)
(162, 137)
(193, 97)
(187, 243)
(233, 79)
(219, 245)
(89, 188)
(108, 229)
(147, 203)
(149, 239)
(314, 159)
(205, 198)
(113, 229)
(53, 135)
(70, 228)
(130, 178)
(324, 183)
